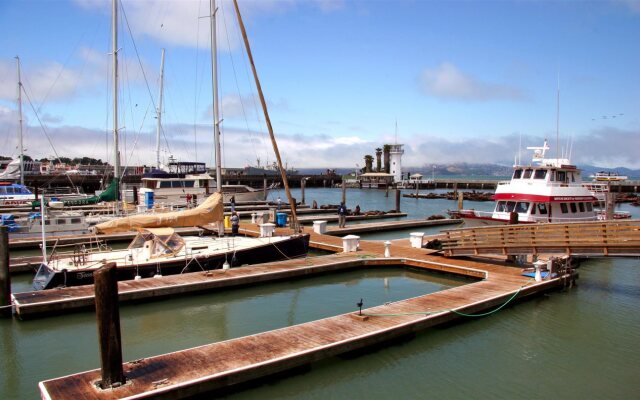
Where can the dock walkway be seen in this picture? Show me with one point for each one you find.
(598, 238)
(218, 365)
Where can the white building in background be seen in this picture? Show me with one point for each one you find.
(395, 161)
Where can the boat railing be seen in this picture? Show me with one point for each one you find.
(76, 251)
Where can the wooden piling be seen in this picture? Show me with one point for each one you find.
(609, 205)
(460, 201)
(5, 277)
(303, 183)
(108, 319)
(397, 200)
(344, 192)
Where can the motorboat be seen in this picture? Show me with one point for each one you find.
(547, 190)
(15, 194)
(608, 176)
(189, 183)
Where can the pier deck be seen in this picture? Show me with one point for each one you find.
(218, 365)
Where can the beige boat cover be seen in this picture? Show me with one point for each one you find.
(211, 210)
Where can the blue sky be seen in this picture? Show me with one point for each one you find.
(466, 81)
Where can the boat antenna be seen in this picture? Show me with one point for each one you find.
(114, 48)
(159, 112)
(283, 173)
(20, 121)
(558, 120)
(214, 88)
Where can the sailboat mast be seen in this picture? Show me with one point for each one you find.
(159, 112)
(20, 122)
(214, 87)
(283, 172)
(558, 119)
(114, 44)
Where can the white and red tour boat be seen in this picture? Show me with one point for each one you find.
(549, 190)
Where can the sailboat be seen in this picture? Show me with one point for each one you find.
(158, 250)
(189, 182)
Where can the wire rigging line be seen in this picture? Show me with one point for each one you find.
(144, 75)
(235, 77)
(44, 129)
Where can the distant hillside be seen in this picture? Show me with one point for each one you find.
(475, 170)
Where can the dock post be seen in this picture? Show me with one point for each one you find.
(303, 183)
(397, 200)
(108, 319)
(460, 201)
(610, 205)
(5, 277)
(417, 189)
(387, 249)
(264, 186)
(344, 192)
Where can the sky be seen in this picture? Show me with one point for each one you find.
(454, 81)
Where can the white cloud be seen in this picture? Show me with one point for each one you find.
(448, 82)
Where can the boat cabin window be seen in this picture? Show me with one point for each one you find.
(561, 176)
(61, 221)
(522, 207)
(574, 208)
(501, 206)
(527, 173)
(540, 174)
(165, 184)
(573, 177)
(47, 222)
(542, 208)
(581, 207)
(517, 174)
(511, 205)
(563, 208)
(589, 207)
(76, 220)
(10, 190)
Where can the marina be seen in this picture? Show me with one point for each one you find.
(367, 226)
(331, 242)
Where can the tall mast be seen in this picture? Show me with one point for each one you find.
(283, 172)
(558, 120)
(114, 44)
(20, 122)
(159, 112)
(214, 87)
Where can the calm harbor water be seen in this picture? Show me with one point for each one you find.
(581, 343)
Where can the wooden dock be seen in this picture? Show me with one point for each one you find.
(388, 226)
(597, 238)
(334, 218)
(219, 365)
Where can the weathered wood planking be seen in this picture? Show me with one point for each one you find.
(214, 366)
(601, 238)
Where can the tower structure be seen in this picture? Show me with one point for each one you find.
(395, 157)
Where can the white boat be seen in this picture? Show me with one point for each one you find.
(605, 176)
(161, 251)
(189, 183)
(548, 190)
